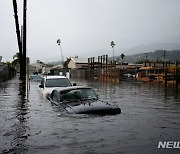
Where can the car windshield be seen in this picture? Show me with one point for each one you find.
(81, 94)
(58, 82)
(35, 77)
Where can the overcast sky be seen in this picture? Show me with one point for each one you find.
(87, 27)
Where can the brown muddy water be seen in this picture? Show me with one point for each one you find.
(33, 125)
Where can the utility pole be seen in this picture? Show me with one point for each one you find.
(24, 38)
(18, 36)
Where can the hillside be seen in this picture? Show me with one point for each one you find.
(153, 47)
(158, 55)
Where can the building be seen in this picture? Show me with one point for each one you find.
(76, 63)
(40, 67)
(6, 71)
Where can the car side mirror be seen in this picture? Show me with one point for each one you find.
(74, 84)
(41, 86)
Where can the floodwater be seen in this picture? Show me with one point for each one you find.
(33, 125)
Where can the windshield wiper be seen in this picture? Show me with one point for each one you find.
(69, 101)
(91, 98)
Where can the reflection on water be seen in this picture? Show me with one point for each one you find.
(20, 126)
(149, 115)
(18, 116)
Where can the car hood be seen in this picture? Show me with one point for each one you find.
(94, 107)
(49, 90)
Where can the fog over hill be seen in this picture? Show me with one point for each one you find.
(158, 55)
(134, 50)
(153, 52)
(153, 47)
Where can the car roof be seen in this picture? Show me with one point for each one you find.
(71, 88)
(54, 77)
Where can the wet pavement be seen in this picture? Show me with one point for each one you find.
(33, 125)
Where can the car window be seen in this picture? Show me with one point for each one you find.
(88, 93)
(55, 96)
(74, 94)
(59, 82)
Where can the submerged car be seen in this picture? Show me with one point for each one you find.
(82, 100)
(49, 83)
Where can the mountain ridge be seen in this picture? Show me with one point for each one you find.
(153, 47)
(156, 56)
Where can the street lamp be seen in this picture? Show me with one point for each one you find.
(113, 44)
(59, 43)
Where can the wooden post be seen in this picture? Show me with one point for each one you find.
(89, 60)
(165, 75)
(93, 67)
(176, 76)
(106, 67)
(99, 74)
(111, 71)
(115, 71)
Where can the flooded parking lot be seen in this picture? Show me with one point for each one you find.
(33, 125)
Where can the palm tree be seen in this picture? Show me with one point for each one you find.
(59, 43)
(65, 65)
(112, 45)
(16, 59)
(122, 57)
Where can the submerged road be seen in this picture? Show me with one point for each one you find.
(32, 125)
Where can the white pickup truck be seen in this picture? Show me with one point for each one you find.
(49, 83)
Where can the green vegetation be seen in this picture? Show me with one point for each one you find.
(16, 59)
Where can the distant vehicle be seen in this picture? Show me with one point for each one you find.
(49, 83)
(35, 77)
(82, 100)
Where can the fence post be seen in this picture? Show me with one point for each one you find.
(176, 76)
